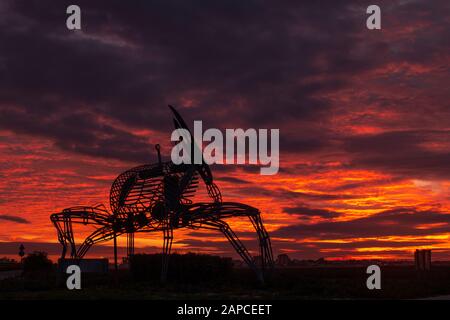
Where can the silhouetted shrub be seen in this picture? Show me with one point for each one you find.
(38, 272)
(186, 268)
(37, 262)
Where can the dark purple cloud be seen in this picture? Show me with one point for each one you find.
(302, 210)
(396, 222)
(311, 69)
(246, 64)
(10, 218)
(404, 153)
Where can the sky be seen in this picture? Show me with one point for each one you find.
(364, 116)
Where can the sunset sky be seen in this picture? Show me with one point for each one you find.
(364, 116)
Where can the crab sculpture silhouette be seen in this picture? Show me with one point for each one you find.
(160, 197)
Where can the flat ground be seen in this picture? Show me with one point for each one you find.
(398, 282)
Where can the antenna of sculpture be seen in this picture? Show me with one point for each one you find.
(159, 197)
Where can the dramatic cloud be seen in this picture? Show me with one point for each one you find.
(309, 212)
(408, 153)
(13, 218)
(363, 114)
(398, 222)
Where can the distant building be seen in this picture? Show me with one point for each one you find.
(422, 259)
(283, 260)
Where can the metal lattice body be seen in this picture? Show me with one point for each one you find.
(159, 197)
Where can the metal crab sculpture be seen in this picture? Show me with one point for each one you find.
(159, 197)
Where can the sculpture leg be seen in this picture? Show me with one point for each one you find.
(167, 246)
(61, 236)
(265, 246)
(99, 235)
(63, 225)
(202, 213)
(223, 227)
(64, 220)
(130, 244)
(69, 235)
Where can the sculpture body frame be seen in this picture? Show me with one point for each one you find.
(159, 197)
